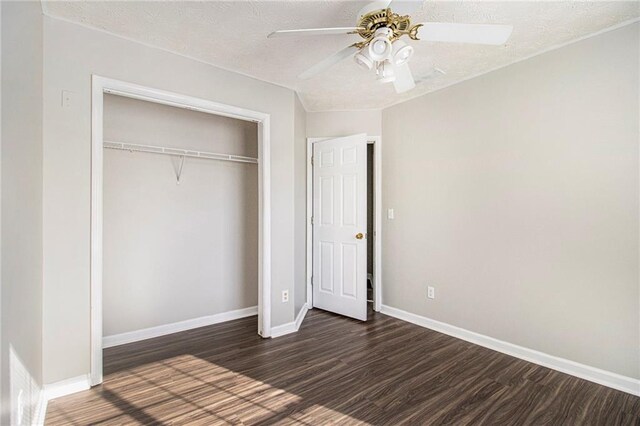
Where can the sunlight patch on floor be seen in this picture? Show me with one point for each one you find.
(188, 389)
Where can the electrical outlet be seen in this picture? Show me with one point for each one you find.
(285, 296)
(431, 292)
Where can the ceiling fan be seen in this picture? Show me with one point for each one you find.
(383, 50)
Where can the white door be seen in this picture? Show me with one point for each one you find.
(340, 226)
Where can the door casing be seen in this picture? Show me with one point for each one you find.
(102, 85)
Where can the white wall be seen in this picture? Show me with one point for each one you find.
(73, 53)
(176, 252)
(344, 123)
(21, 201)
(516, 197)
(300, 177)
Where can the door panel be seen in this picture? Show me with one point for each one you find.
(340, 214)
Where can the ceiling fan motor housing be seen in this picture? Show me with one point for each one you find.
(399, 25)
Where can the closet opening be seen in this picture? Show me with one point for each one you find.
(180, 224)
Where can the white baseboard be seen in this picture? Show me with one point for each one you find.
(57, 390)
(66, 387)
(161, 330)
(301, 315)
(290, 327)
(593, 374)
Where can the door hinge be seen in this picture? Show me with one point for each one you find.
(312, 160)
(312, 280)
(312, 220)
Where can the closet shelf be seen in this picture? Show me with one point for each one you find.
(178, 152)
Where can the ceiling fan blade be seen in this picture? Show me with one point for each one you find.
(404, 80)
(328, 62)
(313, 31)
(465, 33)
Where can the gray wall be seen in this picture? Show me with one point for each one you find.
(73, 53)
(176, 252)
(516, 197)
(300, 177)
(21, 190)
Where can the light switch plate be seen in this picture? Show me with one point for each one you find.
(67, 99)
(390, 214)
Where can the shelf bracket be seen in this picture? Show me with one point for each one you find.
(179, 171)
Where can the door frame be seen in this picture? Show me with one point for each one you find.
(100, 86)
(376, 141)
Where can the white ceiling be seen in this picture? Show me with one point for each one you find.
(233, 35)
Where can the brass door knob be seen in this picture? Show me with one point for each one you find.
(359, 235)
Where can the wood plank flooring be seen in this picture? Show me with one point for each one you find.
(333, 371)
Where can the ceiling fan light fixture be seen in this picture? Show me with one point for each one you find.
(402, 52)
(363, 60)
(380, 47)
(385, 72)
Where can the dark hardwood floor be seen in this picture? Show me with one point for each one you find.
(333, 371)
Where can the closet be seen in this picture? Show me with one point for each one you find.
(180, 216)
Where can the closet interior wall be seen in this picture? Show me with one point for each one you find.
(174, 252)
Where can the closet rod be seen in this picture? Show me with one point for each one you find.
(178, 152)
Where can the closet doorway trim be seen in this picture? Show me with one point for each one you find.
(102, 85)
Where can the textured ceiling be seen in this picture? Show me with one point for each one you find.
(233, 35)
